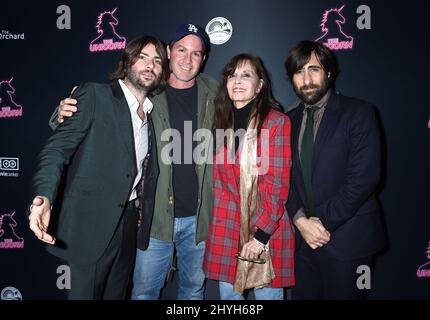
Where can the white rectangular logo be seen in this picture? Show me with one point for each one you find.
(9, 164)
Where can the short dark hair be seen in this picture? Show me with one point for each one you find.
(299, 55)
(131, 54)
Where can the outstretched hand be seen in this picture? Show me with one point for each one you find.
(39, 219)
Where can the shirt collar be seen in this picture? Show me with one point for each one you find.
(132, 102)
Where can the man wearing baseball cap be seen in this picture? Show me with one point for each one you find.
(187, 29)
(178, 216)
(183, 195)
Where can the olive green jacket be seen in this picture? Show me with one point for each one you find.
(162, 223)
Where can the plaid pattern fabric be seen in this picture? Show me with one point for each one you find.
(223, 240)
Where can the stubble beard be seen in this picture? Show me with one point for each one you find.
(315, 96)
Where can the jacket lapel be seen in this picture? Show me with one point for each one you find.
(161, 110)
(204, 119)
(123, 117)
(203, 105)
(160, 119)
(296, 121)
(328, 124)
(152, 149)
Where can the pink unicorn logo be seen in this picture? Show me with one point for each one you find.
(108, 39)
(333, 36)
(423, 270)
(8, 107)
(8, 238)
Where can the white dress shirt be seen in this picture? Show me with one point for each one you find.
(140, 132)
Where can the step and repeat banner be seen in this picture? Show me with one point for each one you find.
(47, 47)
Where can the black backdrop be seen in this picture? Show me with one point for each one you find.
(388, 66)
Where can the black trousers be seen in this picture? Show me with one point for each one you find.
(320, 276)
(109, 277)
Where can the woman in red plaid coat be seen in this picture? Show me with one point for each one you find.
(251, 241)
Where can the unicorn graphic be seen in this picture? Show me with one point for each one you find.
(423, 270)
(108, 39)
(8, 238)
(8, 107)
(331, 25)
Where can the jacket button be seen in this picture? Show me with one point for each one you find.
(121, 206)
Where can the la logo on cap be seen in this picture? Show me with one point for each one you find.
(192, 28)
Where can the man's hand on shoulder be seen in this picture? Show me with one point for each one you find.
(67, 106)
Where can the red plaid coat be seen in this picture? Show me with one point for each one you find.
(223, 240)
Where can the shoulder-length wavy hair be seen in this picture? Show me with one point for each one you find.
(131, 54)
(264, 101)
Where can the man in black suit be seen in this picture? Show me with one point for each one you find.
(101, 152)
(335, 172)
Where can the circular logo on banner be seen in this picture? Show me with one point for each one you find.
(219, 30)
(10, 293)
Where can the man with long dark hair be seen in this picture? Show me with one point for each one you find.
(335, 172)
(100, 152)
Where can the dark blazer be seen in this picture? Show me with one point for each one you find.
(94, 152)
(345, 174)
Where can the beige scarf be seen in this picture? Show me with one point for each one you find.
(248, 274)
